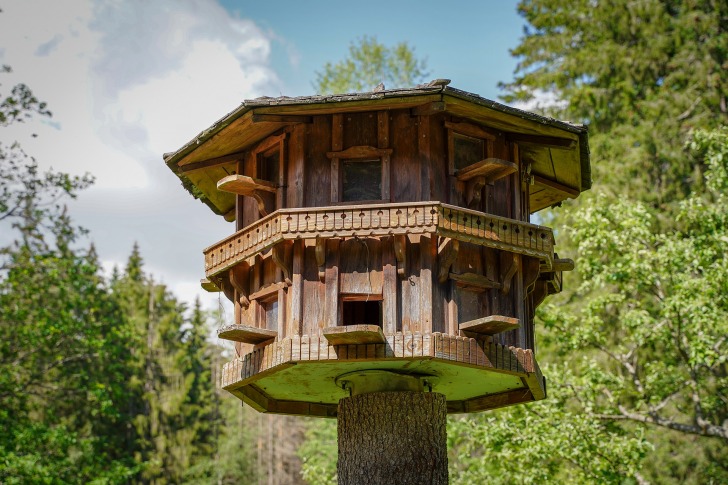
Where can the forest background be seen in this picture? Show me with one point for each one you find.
(112, 379)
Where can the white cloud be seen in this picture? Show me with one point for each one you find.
(127, 81)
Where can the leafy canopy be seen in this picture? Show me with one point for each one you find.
(370, 63)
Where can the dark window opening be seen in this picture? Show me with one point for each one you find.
(362, 312)
(269, 165)
(271, 314)
(468, 150)
(361, 180)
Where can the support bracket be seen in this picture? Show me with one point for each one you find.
(447, 253)
(400, 252)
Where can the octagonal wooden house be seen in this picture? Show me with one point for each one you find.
(383, 234)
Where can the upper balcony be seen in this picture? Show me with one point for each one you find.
(381, 220)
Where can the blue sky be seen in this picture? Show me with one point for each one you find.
(130, 80)
(466, 41)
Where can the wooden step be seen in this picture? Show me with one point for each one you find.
(354, 334)
(489, 325)
(246, 334)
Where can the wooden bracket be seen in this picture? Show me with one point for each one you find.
(507, 277)
(400, 252)
(282, 258)
(321, 258)
(227, 288)
(531, 270)
(447, 254)
(474, 191)
(239, 280)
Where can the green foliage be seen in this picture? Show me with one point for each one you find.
(370, 63)
(641, 74)
(99, 382)
(319, 452)
(544, 442)
(58, 387)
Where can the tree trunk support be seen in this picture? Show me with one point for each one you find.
(391, 436)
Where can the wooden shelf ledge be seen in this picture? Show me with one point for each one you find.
(244, 185)
(208, 285)
(246, 334)
(490, 325)
(490, 168)
(354, 334)
(474, 282)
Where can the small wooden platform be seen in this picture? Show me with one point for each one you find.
(354, 334)
(208, 285)
(246, 334)
(244, 185)
(490, 168)
(489, 325)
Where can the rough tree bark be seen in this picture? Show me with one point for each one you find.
(393, 438)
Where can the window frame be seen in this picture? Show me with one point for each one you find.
(471, 131)
(361, 153)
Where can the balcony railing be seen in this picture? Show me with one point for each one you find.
(381, 220)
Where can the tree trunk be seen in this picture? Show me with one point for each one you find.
(393, 438)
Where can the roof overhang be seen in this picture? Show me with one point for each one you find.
(558, 151)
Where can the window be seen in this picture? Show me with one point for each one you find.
(468, 150)
(271, 314)
(360, 174)
(362, 312)
(269, 164)
(361, 180)
(467, 145)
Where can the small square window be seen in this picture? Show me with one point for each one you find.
(361, 180)
(362, 312)
(468, 150)
(269, 165)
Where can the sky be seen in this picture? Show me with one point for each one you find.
(129, 80)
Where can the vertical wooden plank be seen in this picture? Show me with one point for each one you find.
(295, 321)
(337, 132)
(423, 147)
(405, 163)
(239, 199)
(296, 161)
(383, 129)
(428, 252)
(337, 141)
(282, 313)
(389, 287)
(317, 166)
(331, 302)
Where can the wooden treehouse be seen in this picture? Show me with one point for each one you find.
(382, 242)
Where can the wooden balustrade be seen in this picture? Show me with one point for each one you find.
(381, 220)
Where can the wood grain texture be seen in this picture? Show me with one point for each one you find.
(381, 220)
(354, 334)
(392, 438)
(246, 334)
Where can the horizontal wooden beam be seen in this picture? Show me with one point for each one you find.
(272, 118)
(354, 334)
(547, 141)
(428, 108)
(551, 184)
(211, 162)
